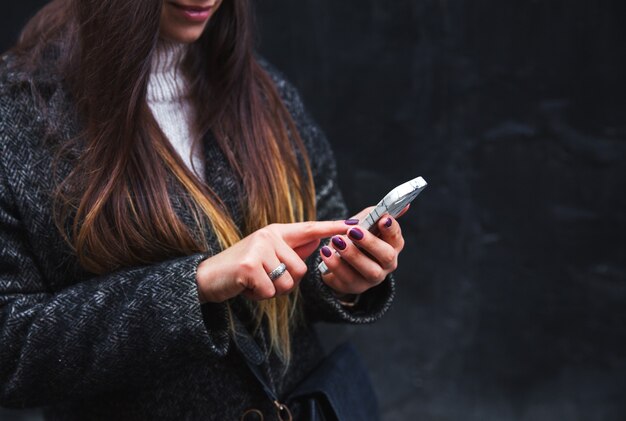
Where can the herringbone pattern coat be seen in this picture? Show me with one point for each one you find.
(134, 343)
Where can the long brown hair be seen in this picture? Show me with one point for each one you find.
(105, 53)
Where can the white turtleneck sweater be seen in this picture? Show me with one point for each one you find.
(169, 101)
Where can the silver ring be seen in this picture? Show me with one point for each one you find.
(276, 273)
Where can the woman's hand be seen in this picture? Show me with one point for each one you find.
(358, 270)
(244, 267)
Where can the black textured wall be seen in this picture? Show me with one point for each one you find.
(512, 287)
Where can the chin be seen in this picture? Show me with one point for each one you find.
(185, 36)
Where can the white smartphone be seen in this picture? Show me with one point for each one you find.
(392, 203)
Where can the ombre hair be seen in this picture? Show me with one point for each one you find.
(105, 51)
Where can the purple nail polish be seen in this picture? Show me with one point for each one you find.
(339, 243)
(351, 221)
(355, 234)
(326, 251)
(388, 222)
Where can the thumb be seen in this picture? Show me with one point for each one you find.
(404, 210)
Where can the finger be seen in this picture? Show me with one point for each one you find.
(258, 284)
(373, 248)
(300, 233)
(391, 233)
(369, 268)
(295, 265)
(403, 211)
(284, 283)
(361, 215)
(341, 276)
(305, 250)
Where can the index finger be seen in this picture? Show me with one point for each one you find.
(299, 233)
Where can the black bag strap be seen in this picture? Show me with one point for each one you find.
(252, 354)
(254, 358)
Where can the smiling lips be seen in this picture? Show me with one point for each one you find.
(193, 13)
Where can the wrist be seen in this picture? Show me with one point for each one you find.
(346, 300)
(200, 275)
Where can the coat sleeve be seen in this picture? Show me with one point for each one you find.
(97, 334)
(319, 302)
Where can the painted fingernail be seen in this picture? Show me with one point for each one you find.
(326, 251)
(388, 222)
(355, 234)
(351, 221)
(339, 243)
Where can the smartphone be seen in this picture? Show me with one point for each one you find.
(392, 203)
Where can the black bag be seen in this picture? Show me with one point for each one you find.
(338, 389)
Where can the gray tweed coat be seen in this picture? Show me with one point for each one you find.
(134, 343)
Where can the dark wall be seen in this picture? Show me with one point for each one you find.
(13, 16)
(512, 286)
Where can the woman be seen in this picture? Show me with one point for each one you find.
(154, 176)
